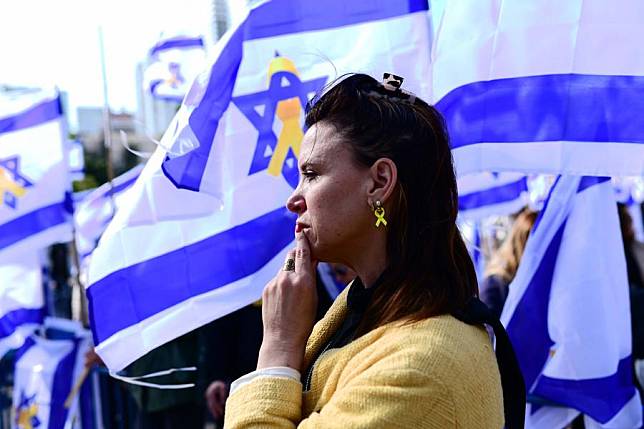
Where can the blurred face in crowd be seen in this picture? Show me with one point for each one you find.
(331, 197)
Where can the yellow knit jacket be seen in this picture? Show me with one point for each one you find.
(437, 373)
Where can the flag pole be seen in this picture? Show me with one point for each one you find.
(81, 313)
(107, 151)
(107, 120)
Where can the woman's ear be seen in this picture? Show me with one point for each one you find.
(384, 175)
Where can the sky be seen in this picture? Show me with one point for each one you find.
(47, 43)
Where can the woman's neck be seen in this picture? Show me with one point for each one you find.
(370, 261)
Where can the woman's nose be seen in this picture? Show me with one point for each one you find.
(296, 203)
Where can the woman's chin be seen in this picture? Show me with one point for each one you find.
(321, 254)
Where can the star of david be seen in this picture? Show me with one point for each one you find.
(175, 79)
(259, 109)
(26, 413)
(11, 166)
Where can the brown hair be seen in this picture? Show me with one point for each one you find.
(505, 261)
(430, 271)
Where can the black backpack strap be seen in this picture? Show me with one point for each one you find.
(514, 393)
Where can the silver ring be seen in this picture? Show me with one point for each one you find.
(289, 265)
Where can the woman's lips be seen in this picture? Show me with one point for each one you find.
(299, 227)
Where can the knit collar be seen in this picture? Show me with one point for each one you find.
(359, 296)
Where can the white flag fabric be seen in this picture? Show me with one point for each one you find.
(174, 259)
(95, 210)
(34, 176)
(491, 194)
(22, 303)
(76, 157)
(567, 312)
(174, 63)
(542, 86)
(45, 373)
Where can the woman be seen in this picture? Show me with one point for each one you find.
(377, 193)
(505, 262)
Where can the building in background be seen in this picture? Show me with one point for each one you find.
(220, 18)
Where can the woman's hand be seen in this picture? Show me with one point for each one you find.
(289, 303)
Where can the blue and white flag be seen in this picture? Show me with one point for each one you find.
(89, 396)
(174, 259)
(174, 63)
(45, 373)
(97, 208)
(491, 194)
(542, 86)
(22, 301)
(34, 176)
(568, 313)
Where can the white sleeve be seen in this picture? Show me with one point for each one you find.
(276, 371)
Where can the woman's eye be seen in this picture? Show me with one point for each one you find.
(309, 174)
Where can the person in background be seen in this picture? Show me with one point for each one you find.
(504, 263)
(633, 250)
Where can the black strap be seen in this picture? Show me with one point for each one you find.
(514, 393)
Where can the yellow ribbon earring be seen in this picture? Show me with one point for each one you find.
(379, 212)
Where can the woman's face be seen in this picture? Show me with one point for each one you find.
(331, 197)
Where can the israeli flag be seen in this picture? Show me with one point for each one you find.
(174, 63)
(481, 195)
(95, 210)
(542, 86)
(45, 372)
(89, 396)
(174, 259)
(34, 176)
(567, 311)
(22, 302)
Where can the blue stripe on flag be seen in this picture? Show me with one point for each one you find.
(86, 405)
(10, 321)
(177, 43)
(130, 295)
(29, 343)
(563, 107)
(531, 315)
(186, 171)
(496, 195)
(61, 386)
(293, 16)
(32, 223)
(588, 181)
(121, 186)
(589, 396)
(36, 115)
